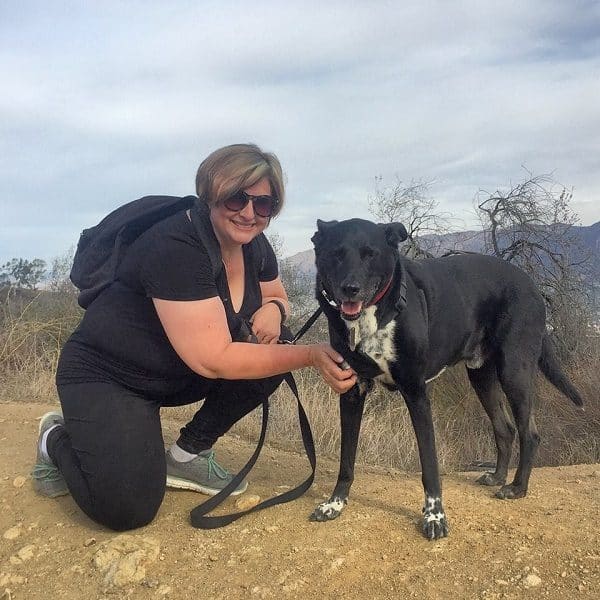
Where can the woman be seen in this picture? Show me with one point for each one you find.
(167, 333)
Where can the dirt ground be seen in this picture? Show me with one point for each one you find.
(546, 545)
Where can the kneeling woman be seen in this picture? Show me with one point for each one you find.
(163, 335)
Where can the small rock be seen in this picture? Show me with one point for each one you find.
(13, 533)
(19, 481)
(501, 582)
(26, 552)
(163, 590)
(247, 502)
(337, 563)
(531, 580)
(123, 559)
(89, 542)
(271, 528)
(595, 473)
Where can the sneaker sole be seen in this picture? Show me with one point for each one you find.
(186, 484)
(47, 416)
(46, 494)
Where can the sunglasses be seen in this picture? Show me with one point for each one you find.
(264, 206)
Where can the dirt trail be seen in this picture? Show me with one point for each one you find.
(546, 545)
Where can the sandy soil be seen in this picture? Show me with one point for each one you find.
(546, 545)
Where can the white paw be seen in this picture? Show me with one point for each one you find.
(326, 511)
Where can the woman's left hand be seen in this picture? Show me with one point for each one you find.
(266, 324)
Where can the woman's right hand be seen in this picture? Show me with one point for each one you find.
(328, 361)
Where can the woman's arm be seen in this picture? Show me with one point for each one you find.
(198, 332)
(267, 320)
(274, 290)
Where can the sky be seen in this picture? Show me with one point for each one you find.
(105, 102)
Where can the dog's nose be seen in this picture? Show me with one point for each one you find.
(350, 289)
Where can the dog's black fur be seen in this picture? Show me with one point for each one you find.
(435, 313)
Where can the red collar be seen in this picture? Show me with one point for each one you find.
(382, 293)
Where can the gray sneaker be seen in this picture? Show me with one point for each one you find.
(47, 479)
(201, 474)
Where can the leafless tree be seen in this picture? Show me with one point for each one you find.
(531, 225)
(413, 206)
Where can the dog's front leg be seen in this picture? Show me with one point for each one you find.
(351, 411)
(435, 524)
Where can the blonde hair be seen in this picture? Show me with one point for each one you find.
(237, 167)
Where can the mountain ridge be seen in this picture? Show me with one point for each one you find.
(469, 240)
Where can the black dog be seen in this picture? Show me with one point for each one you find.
(402, 322)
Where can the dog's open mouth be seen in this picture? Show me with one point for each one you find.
(351, 310)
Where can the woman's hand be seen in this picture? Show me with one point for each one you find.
(328, 361)
(266, 324)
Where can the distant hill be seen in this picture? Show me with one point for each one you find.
(471, 241)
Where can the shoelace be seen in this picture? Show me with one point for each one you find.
(214, 466)
(45, 471)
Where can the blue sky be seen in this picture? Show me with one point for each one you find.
(104, 102)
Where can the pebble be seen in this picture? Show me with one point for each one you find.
(13, 533)
(19, 481)
(26, 552)
(163, 590)
(246, 502)
(531, 580)
(89, 542)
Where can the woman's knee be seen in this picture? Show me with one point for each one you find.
(122, 503)
(123, 515)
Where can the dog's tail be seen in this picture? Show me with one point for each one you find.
(551, 369)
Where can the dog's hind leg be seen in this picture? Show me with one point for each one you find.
(487, 387)
(517, 376)
(435, 524)
(351, 411)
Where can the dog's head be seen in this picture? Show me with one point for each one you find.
(355, 261)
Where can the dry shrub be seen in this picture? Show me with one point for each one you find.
(35, 326)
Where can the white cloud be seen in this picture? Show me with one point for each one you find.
(107, 102)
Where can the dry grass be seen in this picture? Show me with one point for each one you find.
(463, 431)
(34, 328)
(32, 334)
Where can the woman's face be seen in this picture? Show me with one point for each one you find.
(236, 228)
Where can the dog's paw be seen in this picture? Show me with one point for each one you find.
(327, 511)
(510, 492)
(491, 479)
(436, 528)
(435, 524)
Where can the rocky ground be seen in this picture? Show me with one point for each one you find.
(546, 545)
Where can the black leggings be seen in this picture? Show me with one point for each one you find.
(111, 451)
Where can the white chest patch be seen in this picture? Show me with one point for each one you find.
(377, 344)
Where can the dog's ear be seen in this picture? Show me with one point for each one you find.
(394, 233)
(322, 227)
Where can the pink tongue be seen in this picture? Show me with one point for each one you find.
(351, 308)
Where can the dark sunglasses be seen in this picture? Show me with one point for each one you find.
(264, 206)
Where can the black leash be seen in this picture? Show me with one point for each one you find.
(199, 516)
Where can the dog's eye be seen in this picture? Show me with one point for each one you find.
(366, 252)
